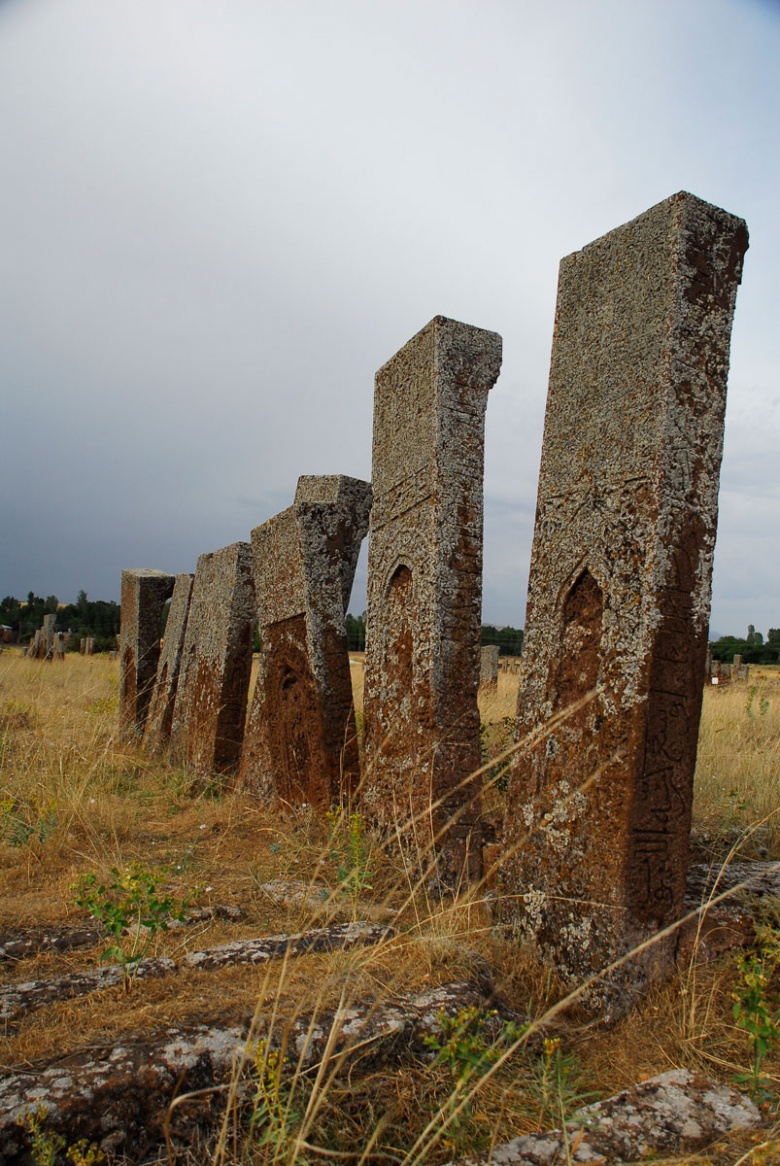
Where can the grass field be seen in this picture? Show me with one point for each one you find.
(75, 801)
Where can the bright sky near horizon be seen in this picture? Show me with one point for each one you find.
(218, 218)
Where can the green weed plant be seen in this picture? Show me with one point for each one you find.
(756, 1009)
(22, 822)
(350, 849)
(461, 1048)
(132, 910)
(46, 1146)
(275, 1121)
(555, 1085)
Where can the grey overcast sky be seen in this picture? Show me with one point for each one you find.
(220, 217)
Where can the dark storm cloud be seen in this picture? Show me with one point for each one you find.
(218, 220)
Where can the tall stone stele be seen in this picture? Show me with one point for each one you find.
(301, 741)
(159, 718)
(599, 803)
(207, 728)
(425, 593)
(488, 669)
(144, 594)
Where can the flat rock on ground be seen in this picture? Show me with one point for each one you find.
(118, 1097)
(19, 998)
(678, 1112)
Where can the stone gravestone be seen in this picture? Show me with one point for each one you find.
(49, 622)
(488, 668)
(159, 719)
(211, 696)
(144, 593)
(301, 741)
(424, 593)
(599, 803)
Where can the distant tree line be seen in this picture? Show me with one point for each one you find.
(754, 649)
(85, 617)
(356, 632)
(509, 640)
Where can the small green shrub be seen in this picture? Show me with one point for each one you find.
(131, 910)
(756, 1007)
(351, 851)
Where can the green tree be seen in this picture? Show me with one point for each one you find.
(355, 627)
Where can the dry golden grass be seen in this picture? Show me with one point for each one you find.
(738, 764)
(74, 799)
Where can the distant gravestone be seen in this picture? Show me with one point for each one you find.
(36, 646)
(488, 668)
(144, 593)
(301, 740)
(159, 720)
(424, 593)
(599, 804)
(49, 623)
(211, 696)
(58, 646)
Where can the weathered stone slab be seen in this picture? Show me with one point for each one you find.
(20, 998)
(488, 667)
(17, 999)
(424, 592)
(274, 947)
(301, 740)
(20, 943)
(159, 719)
(49, 622)
(144, 594)
(118, 1097)
(678, 1112)
(32, 651)
(210, 707)
(751, 878)
(312, 900)
(619, 594)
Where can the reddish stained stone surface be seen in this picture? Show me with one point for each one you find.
(159, 718)
(599, 809)
(301, 741)
(425, 590)
(210, 707)
(144, 593)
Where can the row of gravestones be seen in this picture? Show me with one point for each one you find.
(48, 644)
(720, 673)
(595, 843)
